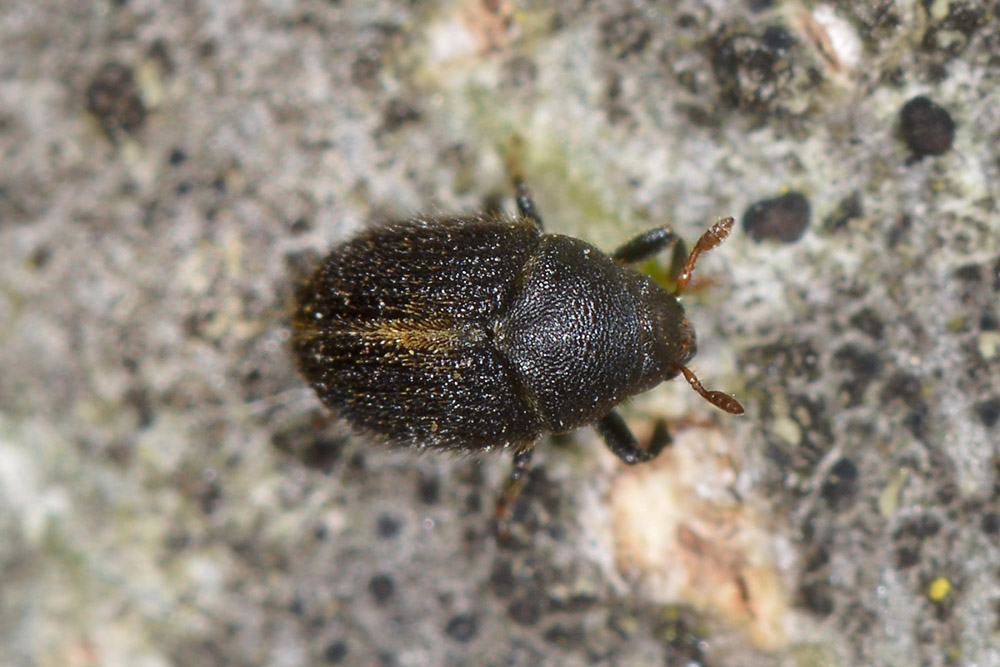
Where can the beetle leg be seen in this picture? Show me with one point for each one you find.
(677, 259)
(623, 444)
(511, 490)
(660, 438)
(648, 243)
(525, 204)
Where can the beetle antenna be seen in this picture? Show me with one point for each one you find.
(717, 398)
(715, 235)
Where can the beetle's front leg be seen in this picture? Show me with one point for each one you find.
(623, 444)
(647, 244)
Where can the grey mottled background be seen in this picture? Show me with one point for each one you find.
(171, 492)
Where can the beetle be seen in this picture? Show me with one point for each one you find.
(473, 333)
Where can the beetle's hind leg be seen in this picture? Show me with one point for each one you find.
(525, 205)
(619, 439)
(511, 490)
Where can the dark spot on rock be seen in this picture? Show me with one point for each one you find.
(779, 456)
(848, 209)
(687, 21)
(802, 457)
(397, 114)
(207, 49)
(576, 602)
(786, 358)
(920, 527)
(617, 111)
(388, 527)
(868, 322)
(988, 411)
(907, 556)
(947, 493)
(966, 17)
(776, 39)
(473, 536)
(817, 597)
(322, 453)
(812, 414)
(753, 71)
(898, 231)
(365, 69)
(683, 633)
(386, 39)
(300, 225)
(903, 388)
(990, 523)
(40, 256)
(177, 157)
(138, 398)
(471, 474)
(159, 53)
(988, 323)
(622, 623)
(917, 421)
(970, 273)
(502, 580)
(783, 218)
(209, 494)
(114, 100)
(817, 557)
(335, 652)
(300, 264)
(862, 366)
(566, 636)
(852, 391)
(841, 484)
(473, 504)
(534, 510)
(462, 628)
(926, 127)
(525, 611)
(297, 606)
(625, 34)
(382, 588)
(429, 490)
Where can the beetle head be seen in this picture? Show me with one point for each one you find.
(673, 340)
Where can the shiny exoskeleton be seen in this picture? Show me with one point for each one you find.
(473, 333)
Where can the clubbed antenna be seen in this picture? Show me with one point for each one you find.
(716, 398)
(715, 235)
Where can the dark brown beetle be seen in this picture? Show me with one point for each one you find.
(475, 333)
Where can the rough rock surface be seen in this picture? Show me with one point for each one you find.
(172, 493)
